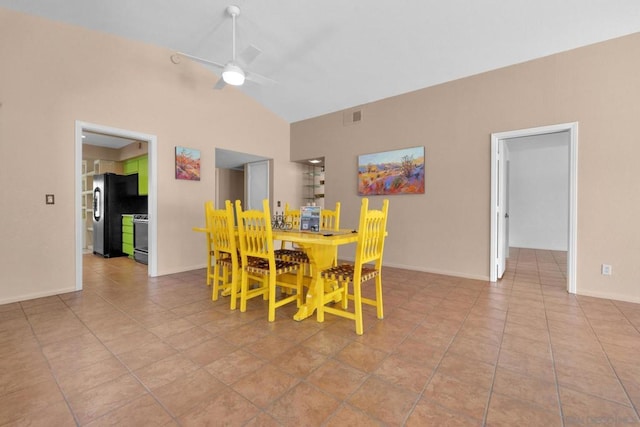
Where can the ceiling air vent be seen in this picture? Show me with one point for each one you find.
(351, 117)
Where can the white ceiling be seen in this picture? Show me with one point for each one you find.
(102, 140)
(330, 55)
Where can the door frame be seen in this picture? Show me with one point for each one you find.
(152, 202)
(497, 186)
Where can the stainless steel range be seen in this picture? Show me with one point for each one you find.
(141, 238)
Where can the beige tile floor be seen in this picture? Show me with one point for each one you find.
(129, 350)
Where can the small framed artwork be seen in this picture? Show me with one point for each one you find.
(187, 164)
(391, 172)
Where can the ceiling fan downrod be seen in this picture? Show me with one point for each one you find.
(232, 73)
(234, 11)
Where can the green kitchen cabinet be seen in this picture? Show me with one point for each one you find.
(139, 165)
(143, 176)
(127, 235)
(130, 166)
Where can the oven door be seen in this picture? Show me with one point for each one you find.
(141, 240)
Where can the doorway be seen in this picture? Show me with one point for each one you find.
(151, 140)
(499, 197)
(243, 176)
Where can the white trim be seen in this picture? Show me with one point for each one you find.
(152, 200)
(496, 139)
(34, 295)
(611, 296)
(427, 270)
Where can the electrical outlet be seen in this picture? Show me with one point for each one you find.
(49, 199)
(605, 270)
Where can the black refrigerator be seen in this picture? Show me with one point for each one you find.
(113, 195)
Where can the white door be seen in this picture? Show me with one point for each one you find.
(257, 182)
(507, 171)
(498, 191)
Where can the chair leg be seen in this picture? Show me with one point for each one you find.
(345, 295)
(357, 302)
(226, 274)
(272, 298)
(244, 287)
(209, 277)
(299, 286)
(234, 288)
(216, 282)
(379, 307)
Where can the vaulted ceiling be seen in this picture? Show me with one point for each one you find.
(332, 55)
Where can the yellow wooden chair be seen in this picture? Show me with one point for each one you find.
(330, 220)
(260, 265)
(208, 208)
(225, 253)
(287, 251)
(372, 230)
(292, 216)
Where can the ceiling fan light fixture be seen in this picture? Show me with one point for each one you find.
(233, 75)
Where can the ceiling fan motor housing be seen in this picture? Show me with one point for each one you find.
(233, 75)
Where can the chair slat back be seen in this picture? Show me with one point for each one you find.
(208, 208)
(371, 233)
(330, 218)
(292, 215)
(221, 225)
(255, 233)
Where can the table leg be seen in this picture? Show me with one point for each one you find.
(321, 258)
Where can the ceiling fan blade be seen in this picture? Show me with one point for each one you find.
(259, 79)
(201, 60)
(248, 55)
(220, 84)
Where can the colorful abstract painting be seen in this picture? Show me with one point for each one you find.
(187, 164)
(391, 172)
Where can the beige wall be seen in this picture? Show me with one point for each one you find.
(54, 74)
(93, 152)
(230, 185)
(135, 149)
(447, 229)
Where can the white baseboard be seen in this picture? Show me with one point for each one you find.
(181, 269)
(427, 270)
(608, 295)
(36, 295)
(436, 271)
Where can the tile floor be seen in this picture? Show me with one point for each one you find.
(129, 350)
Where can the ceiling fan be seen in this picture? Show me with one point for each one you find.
(233, 72)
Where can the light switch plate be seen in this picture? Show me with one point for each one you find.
(50, 199)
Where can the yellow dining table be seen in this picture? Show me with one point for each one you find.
(320, 248)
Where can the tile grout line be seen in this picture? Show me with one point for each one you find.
(553, 364)
(495, 368)
(606, 355)
(437, 366)
(53, 375)
(128, 369)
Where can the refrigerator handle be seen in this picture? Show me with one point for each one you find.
(97, 208)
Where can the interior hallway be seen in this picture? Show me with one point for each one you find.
(133, 350)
